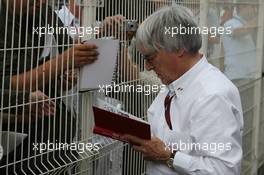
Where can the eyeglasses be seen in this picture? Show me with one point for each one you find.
(149, 57)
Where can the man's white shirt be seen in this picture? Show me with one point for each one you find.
(206, 110)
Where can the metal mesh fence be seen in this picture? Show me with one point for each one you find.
(46, 121)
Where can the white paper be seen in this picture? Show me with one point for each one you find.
(100, 73)
(114, 107)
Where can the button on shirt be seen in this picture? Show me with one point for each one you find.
(207, 123)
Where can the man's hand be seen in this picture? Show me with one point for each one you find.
(109, 21)
(153, 149)
(69, 79)
(41, 105)
(81, 54)
(111, 25)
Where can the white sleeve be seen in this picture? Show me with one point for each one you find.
(231, 26)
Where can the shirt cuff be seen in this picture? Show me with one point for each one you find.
(182, 161)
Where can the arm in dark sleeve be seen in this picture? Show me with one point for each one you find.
(14, 100)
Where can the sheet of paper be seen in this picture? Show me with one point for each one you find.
(101, 71)
(115, 107)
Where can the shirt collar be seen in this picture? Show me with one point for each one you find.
(179, 85)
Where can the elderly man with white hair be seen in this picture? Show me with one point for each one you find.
(197, 122)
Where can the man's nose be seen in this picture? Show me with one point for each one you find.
(148, 66)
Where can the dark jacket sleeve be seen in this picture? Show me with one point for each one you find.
(11, 61)
(9, 65)
(15, 101)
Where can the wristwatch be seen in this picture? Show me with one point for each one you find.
(169, 162)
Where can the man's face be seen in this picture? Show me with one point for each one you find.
(162, 64)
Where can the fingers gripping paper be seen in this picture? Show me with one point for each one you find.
(113, 122)
(101, 71)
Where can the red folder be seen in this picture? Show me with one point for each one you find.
(114, 125)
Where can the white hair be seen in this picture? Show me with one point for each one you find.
(151, 34)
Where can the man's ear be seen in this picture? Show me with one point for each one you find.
(179, 53)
